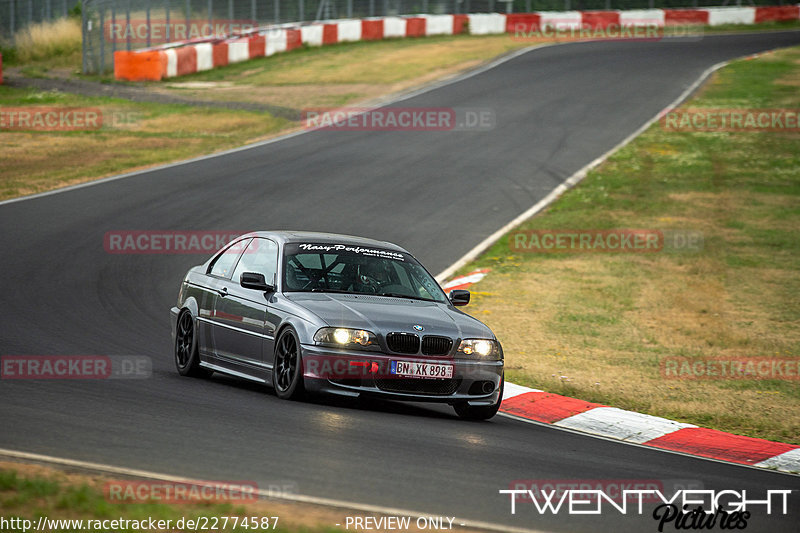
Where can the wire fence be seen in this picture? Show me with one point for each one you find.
(110, 25)
(18, 14)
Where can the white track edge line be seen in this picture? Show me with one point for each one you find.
(295, 498)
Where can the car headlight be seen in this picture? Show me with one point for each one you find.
(479, 347)
(346, 338)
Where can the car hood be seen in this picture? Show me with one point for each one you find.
(381, 315)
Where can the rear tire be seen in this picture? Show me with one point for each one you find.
(479, 412)
(287, 374)
(187, 359)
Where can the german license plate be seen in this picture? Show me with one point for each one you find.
(422, 370)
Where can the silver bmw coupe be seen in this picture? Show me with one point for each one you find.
(318, 312)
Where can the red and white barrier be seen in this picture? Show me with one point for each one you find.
(637, 428)
(394, 27)
(642, 16)
(562, 20)
(731, 15)
(633, 427)
(177, 59)
(486, 23)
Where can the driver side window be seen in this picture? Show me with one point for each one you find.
(260, 256)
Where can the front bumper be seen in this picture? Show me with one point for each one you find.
(348, 373)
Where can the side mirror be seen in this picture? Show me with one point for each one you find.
(459, 297)
(254, 280)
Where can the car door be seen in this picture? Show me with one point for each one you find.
(240, 314)
(219, 270)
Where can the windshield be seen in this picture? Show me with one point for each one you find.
(353, 269)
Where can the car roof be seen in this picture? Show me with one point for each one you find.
(290, 236)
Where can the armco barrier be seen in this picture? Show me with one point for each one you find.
(415, 27)
(780, 13)
(562, 20)
(601, 19)
(642, 16)
(372, 29)
(177, 59)
(685, 16)
(731, 15)
(522, 22)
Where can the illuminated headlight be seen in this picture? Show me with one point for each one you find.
(345, 337)
(481, 347)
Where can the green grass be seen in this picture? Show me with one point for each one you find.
(56, 496)
(34, 161)
(605, 321)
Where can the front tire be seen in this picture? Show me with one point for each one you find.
(287, 374)
(187, 359)
(480, 412)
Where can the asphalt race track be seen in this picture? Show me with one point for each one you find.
(438, 194)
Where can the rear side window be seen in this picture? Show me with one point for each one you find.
(223, 264)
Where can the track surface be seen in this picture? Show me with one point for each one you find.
(436, 193)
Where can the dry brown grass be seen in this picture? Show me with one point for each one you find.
(328, 76)
(291, 516)
(40, 161)
(350, 73)
(45, 40)
(598, 326)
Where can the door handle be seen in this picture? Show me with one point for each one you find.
(223, 291)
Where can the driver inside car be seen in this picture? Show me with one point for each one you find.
(372, 275)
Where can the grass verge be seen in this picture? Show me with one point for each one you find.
(144, 135)
(598, 326)
(36, 161)
(345, 73)
(31, 491)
